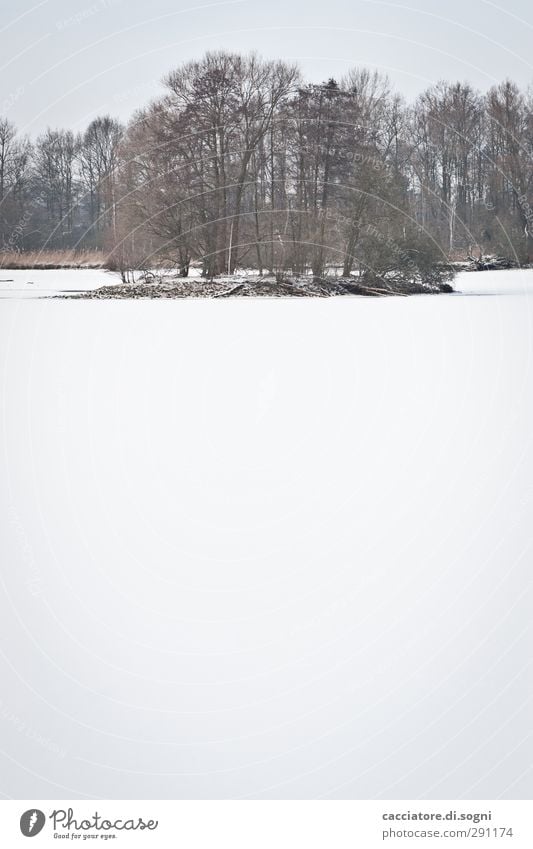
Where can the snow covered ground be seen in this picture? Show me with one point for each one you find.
(270, 549)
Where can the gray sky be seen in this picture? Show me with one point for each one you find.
(65, 61)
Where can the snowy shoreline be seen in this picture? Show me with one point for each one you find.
(260, 287)
(102, 285)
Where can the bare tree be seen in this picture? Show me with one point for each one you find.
(241, 164)
(98, 157)
(15, 156)
(56, 183)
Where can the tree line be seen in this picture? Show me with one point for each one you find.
(242, 164)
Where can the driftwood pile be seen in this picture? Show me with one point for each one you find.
(262, 287)
(490, 263)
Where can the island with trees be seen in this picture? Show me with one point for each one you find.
(243, 178)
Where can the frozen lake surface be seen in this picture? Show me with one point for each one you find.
(39, 283)
(266, 548)
(44, 283)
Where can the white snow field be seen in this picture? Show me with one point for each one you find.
(267, 548)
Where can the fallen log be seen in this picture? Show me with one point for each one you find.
(227, 293)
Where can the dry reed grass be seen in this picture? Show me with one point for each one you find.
(52, 259)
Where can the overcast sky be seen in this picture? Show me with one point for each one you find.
(65, 61)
